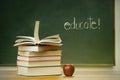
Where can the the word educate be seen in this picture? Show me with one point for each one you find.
(84, 24)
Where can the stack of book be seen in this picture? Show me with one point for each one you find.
(38, 57)
(39, 60)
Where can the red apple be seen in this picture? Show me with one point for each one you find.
(68, 69)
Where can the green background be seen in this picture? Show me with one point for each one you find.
(81, 46)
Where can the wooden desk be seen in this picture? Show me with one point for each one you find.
(78, 75)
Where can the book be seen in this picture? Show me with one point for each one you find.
(41, 53)
(38, 63)
(38, 58)
(54, 40)
(39, 71)
(36, 48)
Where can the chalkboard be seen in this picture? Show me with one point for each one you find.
(85, 26)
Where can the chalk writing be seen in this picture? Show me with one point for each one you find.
(88, 23)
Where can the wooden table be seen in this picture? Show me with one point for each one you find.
(78, 75)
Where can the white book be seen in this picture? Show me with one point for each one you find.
(28, 40)
(38, 63)
(39, 71)
(37, 58)
(41, 53)
(36, 48)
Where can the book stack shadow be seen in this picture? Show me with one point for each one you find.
(39, 60)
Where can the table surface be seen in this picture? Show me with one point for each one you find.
(78, 75)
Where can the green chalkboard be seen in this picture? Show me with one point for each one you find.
(85, 26)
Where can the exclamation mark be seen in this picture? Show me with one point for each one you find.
(98, 23)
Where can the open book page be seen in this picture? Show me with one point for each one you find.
(36, 32)
(24, 40)
(50, 40)
(28, 40)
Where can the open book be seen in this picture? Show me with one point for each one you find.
(28, 40)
